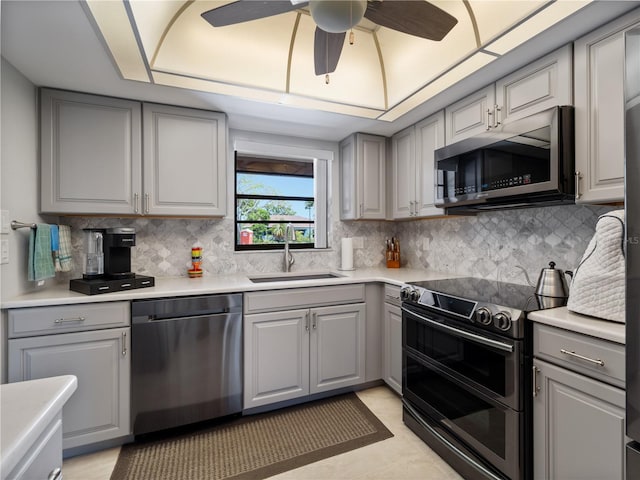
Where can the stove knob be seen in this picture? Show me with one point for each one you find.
(502, 321)
(483, 316)
(414, 295)
(404, 293)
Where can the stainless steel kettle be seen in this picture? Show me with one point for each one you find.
(552, 282)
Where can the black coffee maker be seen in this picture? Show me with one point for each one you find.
(114, 270)
(117, 243)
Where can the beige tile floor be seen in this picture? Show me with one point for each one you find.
(404, 456)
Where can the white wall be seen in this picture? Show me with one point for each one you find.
(19, 173)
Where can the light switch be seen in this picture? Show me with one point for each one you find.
(4, 221)
(4, 251)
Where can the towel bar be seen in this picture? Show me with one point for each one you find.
(16, 225)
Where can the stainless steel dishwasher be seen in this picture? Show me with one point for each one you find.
(186, 360)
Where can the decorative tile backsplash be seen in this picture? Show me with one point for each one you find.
(492, 245)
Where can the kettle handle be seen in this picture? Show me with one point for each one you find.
(570, 273)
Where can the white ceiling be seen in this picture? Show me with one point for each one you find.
(56, 44)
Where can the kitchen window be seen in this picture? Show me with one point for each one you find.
(271, 193)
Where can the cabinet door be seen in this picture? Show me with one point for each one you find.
(99, 408)
(393, 346)
(470, 116)
(337, 347)
(185, 158)
(599, 111)
(90, 153)
(579, 426)
(429, 137)
(348, 194)
(371, 167)
(543, 84)
(276, 349)
(403, 182)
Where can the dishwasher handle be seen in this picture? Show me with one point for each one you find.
(185, 307)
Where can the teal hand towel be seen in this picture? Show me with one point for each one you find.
(40, 258)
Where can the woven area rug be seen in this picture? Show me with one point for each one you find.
(257, 446)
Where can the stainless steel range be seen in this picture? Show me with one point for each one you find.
(466, 373)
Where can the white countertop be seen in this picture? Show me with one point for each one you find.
(595, 327)
(26, 409)
(228, 283)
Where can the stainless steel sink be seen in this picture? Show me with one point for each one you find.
(294, 277)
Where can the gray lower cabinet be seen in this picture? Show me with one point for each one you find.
(392, 369)
(99, 409)
(579, 416)
(298, 352)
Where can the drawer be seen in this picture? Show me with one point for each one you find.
(28, 322)
(392, 294)
(549, 343)
(274, 300)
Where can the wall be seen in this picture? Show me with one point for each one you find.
(494, 245)
(19, 168)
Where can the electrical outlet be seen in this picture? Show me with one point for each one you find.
(4, 251)
(358, 242)
(4, 221)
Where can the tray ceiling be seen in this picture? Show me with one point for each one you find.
(383, 75)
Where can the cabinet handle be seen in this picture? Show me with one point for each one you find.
(361, 209)
(306, 321)
(55, 474)
(488, 124)
(414, 208)
(571, 353)
(497, 120)
(124, 344)
(536, 387)
(578, 176)
(146, 203)
(136, 200)
(314, 321)
(67, 320)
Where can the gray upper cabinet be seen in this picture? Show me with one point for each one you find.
(93, 161)
(412, 168)
(542, 84)
(599, 114)
(90, 153)
(184, 161)
(362, 177)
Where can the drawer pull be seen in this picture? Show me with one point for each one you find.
(67, 320)
(56, 474)
(597, 361)
(124, 344)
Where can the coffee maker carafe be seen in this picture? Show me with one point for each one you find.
(93, 266)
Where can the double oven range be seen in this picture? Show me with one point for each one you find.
(467, 373)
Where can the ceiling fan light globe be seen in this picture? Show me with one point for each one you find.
(337, 16)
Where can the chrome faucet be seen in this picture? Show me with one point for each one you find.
(289, 234)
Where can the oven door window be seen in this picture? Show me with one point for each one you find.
(488, 427)
(487, 367)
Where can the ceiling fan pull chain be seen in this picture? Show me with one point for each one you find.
(326, 77)
(351, 35)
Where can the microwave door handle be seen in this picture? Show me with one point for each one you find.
(505, 347)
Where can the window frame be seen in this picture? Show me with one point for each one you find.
(319, 158)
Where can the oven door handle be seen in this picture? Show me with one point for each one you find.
(505, 347)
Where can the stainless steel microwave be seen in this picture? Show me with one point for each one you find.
(527, 162)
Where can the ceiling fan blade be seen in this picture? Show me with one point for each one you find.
(327, 48)
(417, 18)
(246, 10)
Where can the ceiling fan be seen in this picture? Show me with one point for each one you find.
(334, 17)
